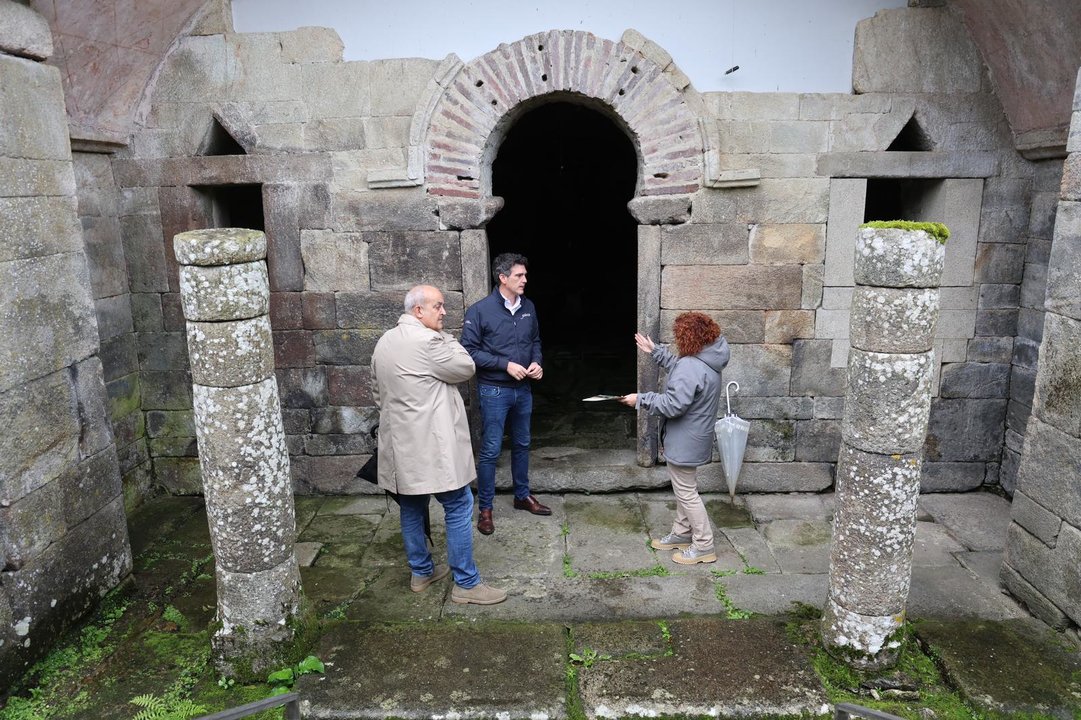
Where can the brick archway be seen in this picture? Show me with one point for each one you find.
(633, 80)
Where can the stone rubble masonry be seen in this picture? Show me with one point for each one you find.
(887, 406)
(63, 536)
(242, 449)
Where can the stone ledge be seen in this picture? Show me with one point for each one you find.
(907, 164)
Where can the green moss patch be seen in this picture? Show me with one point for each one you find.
(936, 230)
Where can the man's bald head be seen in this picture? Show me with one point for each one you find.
(425, 303)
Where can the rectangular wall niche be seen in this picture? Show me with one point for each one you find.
(900, 199)
(239, 206)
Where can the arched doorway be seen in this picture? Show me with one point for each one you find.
(566, 172)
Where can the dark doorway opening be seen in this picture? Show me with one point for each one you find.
(233, 206)
(566, 173)
(901, 199)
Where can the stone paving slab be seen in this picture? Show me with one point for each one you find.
(800, 545)
(977, 520)
(523, 545)
(617, 537)
(438, 670)
(789, 506)
(954, 592)
(753, 548)
(659, 515)
(745, 668)
(933, 546)
(775, 593)
(1014, 666)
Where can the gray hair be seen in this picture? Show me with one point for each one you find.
(415, 297)
(504, 262)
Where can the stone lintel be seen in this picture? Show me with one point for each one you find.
(893, 164)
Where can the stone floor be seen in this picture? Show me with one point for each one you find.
(597, 624)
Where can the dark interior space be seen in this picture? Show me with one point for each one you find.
(236, 206)
(566, 173)
(912, 138)
(220, 142)
(899, 199)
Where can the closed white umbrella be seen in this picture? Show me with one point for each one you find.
(731, 441)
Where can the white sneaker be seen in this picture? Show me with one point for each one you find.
(671, 541)
(691, 556)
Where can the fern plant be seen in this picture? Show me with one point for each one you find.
(164, 708)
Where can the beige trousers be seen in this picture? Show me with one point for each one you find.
(691, 517)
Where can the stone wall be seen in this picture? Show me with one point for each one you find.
(62, 527)
(1044, 539)
(331, 148)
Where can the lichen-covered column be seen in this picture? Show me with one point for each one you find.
(225, 296)
(887, 404)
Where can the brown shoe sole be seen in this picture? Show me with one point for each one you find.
(678, 558)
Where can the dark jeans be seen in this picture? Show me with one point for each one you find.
(500, 406)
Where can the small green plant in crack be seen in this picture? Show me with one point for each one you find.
(752, 570)
(564, 530)
(165, 708)
(655, 571)
(731, 611)
(587, 657)
(666, 634)
(568, 569)
(283, 680)
(722, 573)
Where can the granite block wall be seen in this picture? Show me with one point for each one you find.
(62, 529)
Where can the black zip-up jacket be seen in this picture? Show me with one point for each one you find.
(494, 338)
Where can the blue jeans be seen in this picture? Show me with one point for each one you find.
(500, 406)
(458, 510)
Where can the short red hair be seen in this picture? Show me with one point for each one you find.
(694, 331)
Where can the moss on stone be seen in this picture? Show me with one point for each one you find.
(936, 230)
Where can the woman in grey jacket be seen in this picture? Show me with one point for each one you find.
(688, 407)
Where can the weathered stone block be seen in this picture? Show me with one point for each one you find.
(170, 423)
(989, 350)
(1064, 267)
(162, 352)
(888, 400)
(179, 475)
(245, 469)
(344, 347)
(798, 244)
(224, 292)
(89, 486)
(146, 312)
(319, 311)
(133, 455)
(1026, 352)
(338, 90)
(286, 311)
(105, 256)
(1048, 473)
(24, 32)
(172, 447)
(1007, 474)
(379, 311)
(773, 200)
(48, 320)
(812, 286)
(771, 441)
(254, 609)
(998, 296)
(30, 524)
(1058, 381)
(329, 475)
(402, 210)
(704, 244)
(41, 434)
(399, 260)
(893, 320)
(725, 287)
(316, 445)
(769, 477)
(34, 118)
(294, 348)
(1035, 518)
(344, 421)
(811, 371)
(785, 326)
(113, 316)
(31, 178)
(818, 440)
(781, 408)
(889, 257)
(457, 214)
(165, 390)
(398, 84)
(1054, 571)
(996, 323)
(829, 408)
(38, 227)
(1000, 263)
(737, 326)
(952, 477)
(661, 210)
(282, 209)
(118, 357)
(229, 354)
(925, 50)
(219, 246)
(95, 431)
(761, 370)
(311, 45)
(974, 380)
(965, 430)
(303, 387)
(334, 262)
(350, 385)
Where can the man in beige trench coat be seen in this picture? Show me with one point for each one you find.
(424, 446)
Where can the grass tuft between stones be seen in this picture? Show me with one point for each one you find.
(938, 231)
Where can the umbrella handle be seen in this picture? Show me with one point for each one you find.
(728, 399)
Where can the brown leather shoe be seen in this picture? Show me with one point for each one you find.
(531, 504)
(484, 523)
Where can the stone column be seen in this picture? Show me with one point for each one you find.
(887, 404)
(225, 296)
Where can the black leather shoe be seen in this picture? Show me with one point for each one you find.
(485, 523)
(530, 503)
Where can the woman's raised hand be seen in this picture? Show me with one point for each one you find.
(644, 343)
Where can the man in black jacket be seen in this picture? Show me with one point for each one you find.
(503, 338)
